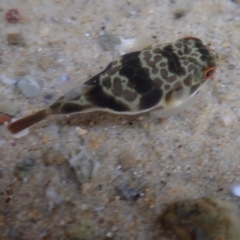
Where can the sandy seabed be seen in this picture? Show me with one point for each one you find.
(102, 176)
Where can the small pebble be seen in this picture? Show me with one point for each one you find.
(108, 41)
(53, 157)
(82, 165)
(28, 86)
(226, 45)
(99, 209)
(236, 190)
(8, 81)
(80, 131)
(44, 62)
(15, 39)
(53, 196)
(126, 193)
(81, 230)
(109, 235)
(203, 218)
(84, 207)
(8, 108)
(126, 160)
(228, 117)
(21, 169)
(179, 13)
(12, 16)
(64, 77)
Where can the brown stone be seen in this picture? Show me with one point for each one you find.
(53, 157)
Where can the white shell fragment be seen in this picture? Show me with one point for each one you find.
(28, 86)
(228, 117)
(133, 44)
(236, 190)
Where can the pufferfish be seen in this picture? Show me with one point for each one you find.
(161, 77)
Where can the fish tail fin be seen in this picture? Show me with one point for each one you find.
(28, 121)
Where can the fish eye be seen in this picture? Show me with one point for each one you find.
(208, 73)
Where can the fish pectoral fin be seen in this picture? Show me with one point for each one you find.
(176, 97)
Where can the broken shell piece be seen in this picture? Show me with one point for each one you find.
(236, 190)
(8, 108)
(203, 218)
(133, 44)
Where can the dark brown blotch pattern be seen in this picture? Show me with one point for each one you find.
(167, 86)
(127, 71)
(148, 55)
(97, 97)
(171, 79)
(186, 49)
(117, 87)
(129, 95)
(168, 96)
(113, 70)
(164, 73)
(173, 61)
(150, 99)
(177, 86)
(106, 82)
(140, 84)
(163, 64)
(155, 70)
(188, 80)
(143, 72)
(192, 68)
(158, 82)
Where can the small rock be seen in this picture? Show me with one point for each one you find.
(226, 45)
(15, 39)
(53, 195)
(22, 168)
(82, 165)
(44, 62)
(8, 108)
(227, 115)
(126, 160)
(64, 77)
(99, 209)
(53, 157)
(236, 190)
(109, 235)
(12, 16)
(28, 86)
(108, 41)
(80, 131)
(203, 218)
(8, 81)
(179, 13)
(126, 193)
(82, 230)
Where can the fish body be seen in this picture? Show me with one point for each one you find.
(162, 77)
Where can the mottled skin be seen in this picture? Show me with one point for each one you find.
(157, 77)
(203, 219)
